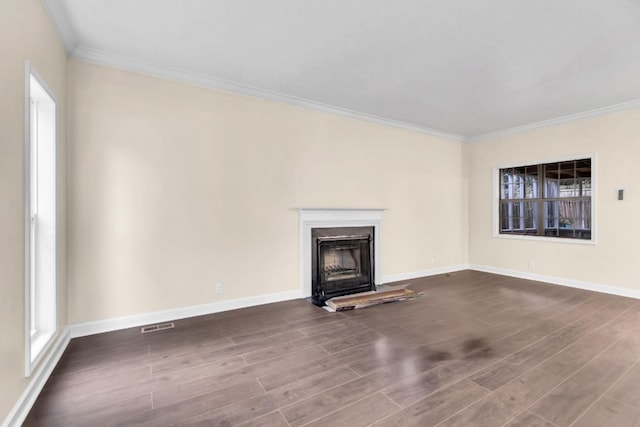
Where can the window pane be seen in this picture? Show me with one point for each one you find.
(584, 186)
(583, 168)
(531, 187)
(567, 213)
(575, 214)
(551, 188)
(551, 170)
(516, 222)
(508, 191)
(505, 221)
(567, 188)
(567, 170)
(530, 215)
(519, 171)
(518, 188)
(504, 190)
(515, 190)
(585, 210)
(505, 176)
(510, 216)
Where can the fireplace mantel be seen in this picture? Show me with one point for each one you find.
(332, 217)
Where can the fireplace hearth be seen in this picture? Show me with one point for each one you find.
(342, 262)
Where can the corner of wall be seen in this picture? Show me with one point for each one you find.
(464, 194)
(38, 379)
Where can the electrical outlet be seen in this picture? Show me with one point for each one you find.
(433, 260)
(532, 264)
(218, 288)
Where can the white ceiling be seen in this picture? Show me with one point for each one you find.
(463, 68)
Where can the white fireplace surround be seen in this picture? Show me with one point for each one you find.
(327, 218)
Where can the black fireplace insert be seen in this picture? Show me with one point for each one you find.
(342, 262)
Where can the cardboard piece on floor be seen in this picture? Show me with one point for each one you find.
(367, 299)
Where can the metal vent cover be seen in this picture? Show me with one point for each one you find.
(158, 327)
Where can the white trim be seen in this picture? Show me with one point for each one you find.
(21, 409)
(547, 239)
(117, 323)
(60, 21)
(588, 286)
(157, 70)
(331, 217)
(114, 324)
(27, 218)
(623, 106)
(390, 278)
(144, 67)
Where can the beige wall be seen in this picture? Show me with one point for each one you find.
(25, 34)
(613, 261)
(175, 187)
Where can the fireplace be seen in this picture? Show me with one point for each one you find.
(337, 219)
(342, 261)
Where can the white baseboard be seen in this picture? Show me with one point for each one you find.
(37, 381)
(114, 324)
(596, 287)
(389, 278)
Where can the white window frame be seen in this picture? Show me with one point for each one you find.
(594, 192)
(40, 294)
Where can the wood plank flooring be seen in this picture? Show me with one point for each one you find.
(476, 350)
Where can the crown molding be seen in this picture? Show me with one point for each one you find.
(60, 21)
(629, 105)
(152, 69)
(170, 73)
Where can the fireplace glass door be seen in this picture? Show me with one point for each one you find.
(343, 262)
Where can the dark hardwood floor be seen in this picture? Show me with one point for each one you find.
(476, 349)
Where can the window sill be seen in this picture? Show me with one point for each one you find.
(547, 239)
(40, 343)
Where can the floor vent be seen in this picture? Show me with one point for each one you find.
(155, 328)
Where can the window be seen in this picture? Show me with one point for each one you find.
(41, 268)
(549, 199)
